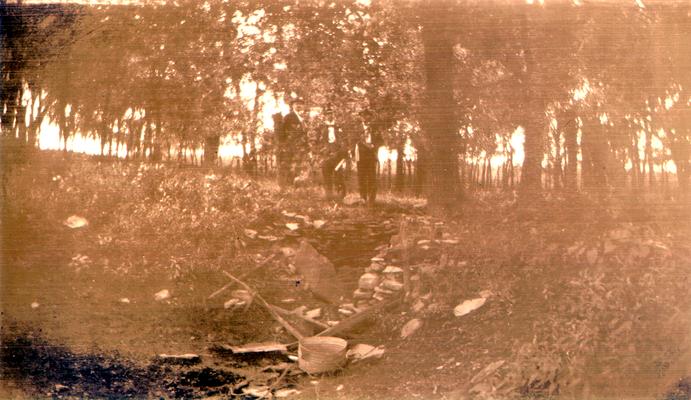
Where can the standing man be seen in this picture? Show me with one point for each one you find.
(335, 154)
(366, 157)
(292, 143)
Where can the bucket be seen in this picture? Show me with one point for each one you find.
(318, 354)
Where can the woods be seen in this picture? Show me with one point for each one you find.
(457, 79)
(522, 230)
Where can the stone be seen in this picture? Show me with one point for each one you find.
(360, 294)
(368, 281)
(391, 284)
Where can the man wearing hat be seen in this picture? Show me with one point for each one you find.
(366, 157)
(335, 155)
(292, 143)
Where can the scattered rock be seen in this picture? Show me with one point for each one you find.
(346, 311)
(363, 351)
(392, 269)
(75, 221)
(283, 393)
(410, 327)
(391, 284)
(162, 295)
(288, 251)
(469, 306)
(418, 306)
(378, 297)
(375, 267)
(384, 292)
(368, 281)
(257, 391)
(360, 294)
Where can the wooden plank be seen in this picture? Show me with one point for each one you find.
(351, 322)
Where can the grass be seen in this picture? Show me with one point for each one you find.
(589, 299)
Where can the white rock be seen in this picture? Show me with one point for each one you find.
(469, 306)
(162, 295)
(318, 223)
(384, 292)
(369, 281)
(288, 251)
(363, 351)
(251, 233)
(293, 226)
(283, 393)
(391, 284)
(125, 300)
(375, 267)
(316, 313)
(410, 327)
(392, 269)
(360, 294)
(34, 305)
(257, 391)
(75, 221)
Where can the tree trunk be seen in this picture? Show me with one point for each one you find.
(557, 171)
(442, 183)
(595, 151)
(211, 145)
(649, 156)
(531, 177)
(400, 170)
(635, 159)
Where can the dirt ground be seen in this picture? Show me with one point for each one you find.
(583, 300)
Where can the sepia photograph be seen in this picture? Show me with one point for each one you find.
(345, 199)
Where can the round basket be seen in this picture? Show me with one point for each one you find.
(318, 354)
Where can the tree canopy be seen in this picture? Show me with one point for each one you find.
(589, 83)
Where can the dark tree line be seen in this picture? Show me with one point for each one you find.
(601, 90)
